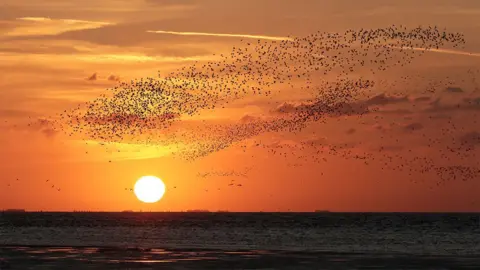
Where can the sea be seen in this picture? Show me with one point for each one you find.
(239, 240)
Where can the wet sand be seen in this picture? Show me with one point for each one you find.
(73, 258)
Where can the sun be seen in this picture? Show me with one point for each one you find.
(149, 189)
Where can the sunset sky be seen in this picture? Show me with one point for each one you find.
(59, 53)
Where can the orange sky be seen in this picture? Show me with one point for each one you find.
(49, 50)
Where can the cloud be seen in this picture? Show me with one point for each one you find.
(435, 103)
(287, 107)
(170, 2)
(7, 113)
(93, 77)
(219, 35)
(32, 26)
(422, 99)
(472, 101)
(35, 19)
(363, 107)
(467, 104)
(350, 131)
(343, 108)
(139, 58)
(445, 51)
(470, 139)
(32, 47)
(322, 108)
(413, 127)
(113, 78)
(111, 35)
(374, 104)
(44, 126)
(248, 119)
(395, 111)
(454, 90)
(49, 132)
(383, 99)
(200, 31)
(378, 126)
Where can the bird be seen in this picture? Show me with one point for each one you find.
(323, 66)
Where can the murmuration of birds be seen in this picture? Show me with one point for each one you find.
(138, 106)
(226, 173)
(336, 70)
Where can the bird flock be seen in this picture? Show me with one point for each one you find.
(337, 73)
(229, 173)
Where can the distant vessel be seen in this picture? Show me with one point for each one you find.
(127, 211)
(198, 211)
(322, 211)
(14, 210)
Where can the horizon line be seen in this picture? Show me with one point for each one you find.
(226, 211)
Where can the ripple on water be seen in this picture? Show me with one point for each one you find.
(89, 258)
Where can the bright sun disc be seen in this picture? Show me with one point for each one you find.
(149, 189)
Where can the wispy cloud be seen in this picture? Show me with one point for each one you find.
(28, 26)
(139, 58)
(103, 58)
(219, 35)
(35, 19)
(446, 51)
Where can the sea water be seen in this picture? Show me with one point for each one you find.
(239, 241)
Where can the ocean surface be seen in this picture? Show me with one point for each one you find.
(239, 241)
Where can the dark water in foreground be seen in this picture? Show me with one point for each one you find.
(239, 241)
